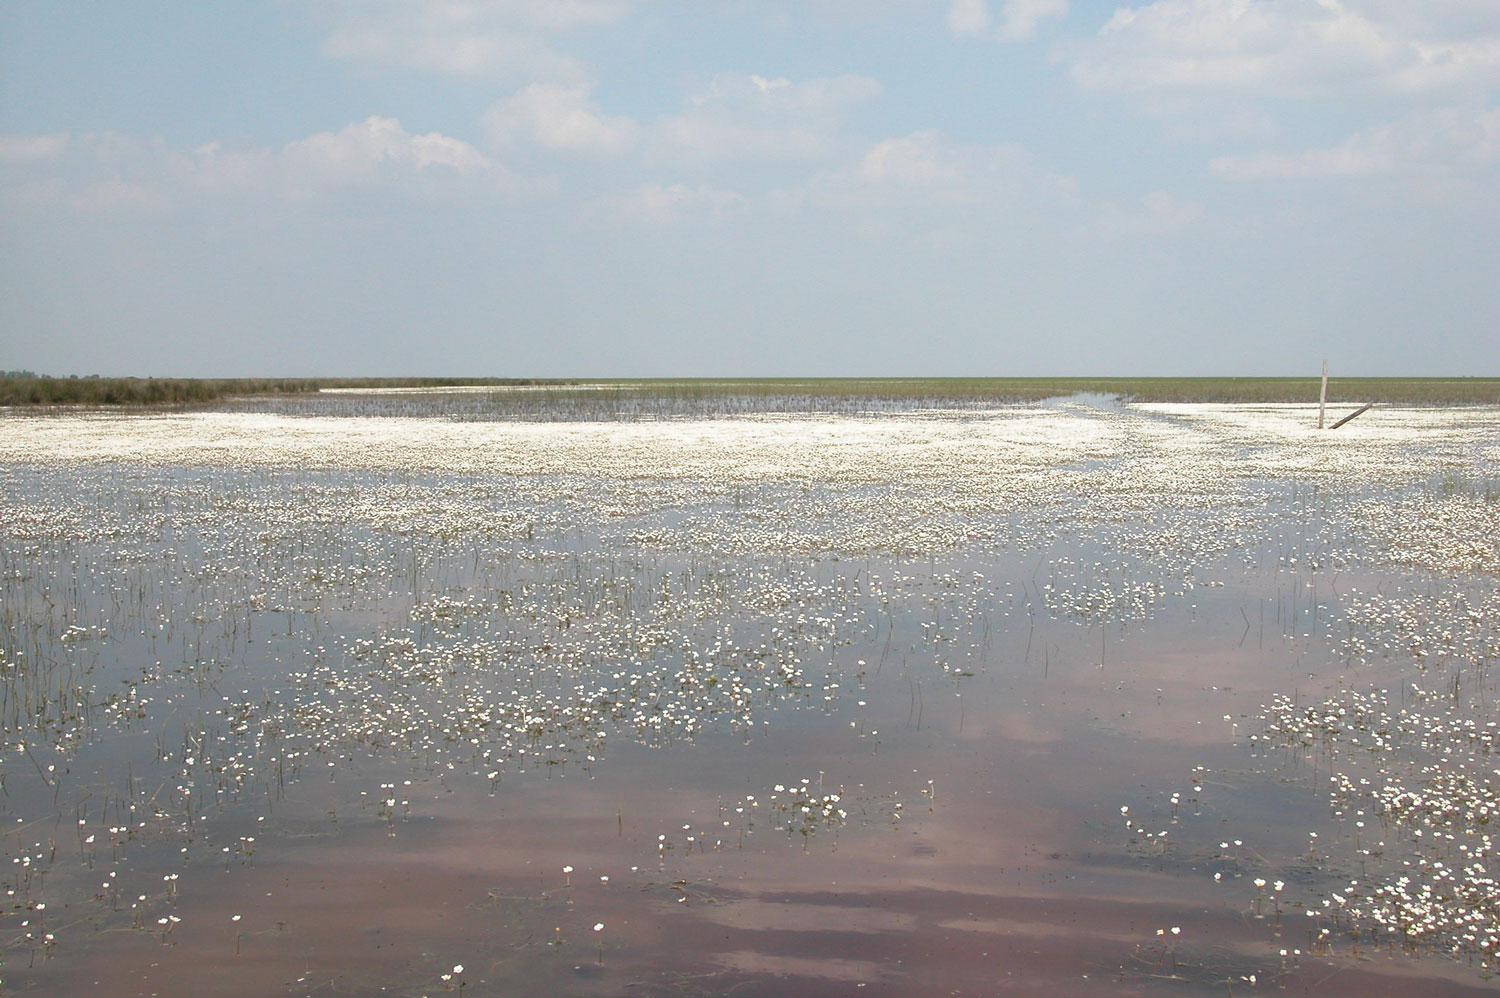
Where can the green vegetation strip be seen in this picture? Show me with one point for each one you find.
(1410, 391)
(45, 391)
(192, 391)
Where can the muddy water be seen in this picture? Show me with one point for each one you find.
(277, 726)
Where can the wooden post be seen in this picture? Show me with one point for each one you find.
(1323, 395)
(1357, 412)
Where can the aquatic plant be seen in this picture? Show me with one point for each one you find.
(211, 619)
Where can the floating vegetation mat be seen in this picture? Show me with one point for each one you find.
(369, 695)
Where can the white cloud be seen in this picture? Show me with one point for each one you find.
(559, 118)
(92, 173)
(1451, 20)
(1285, 48)
(492, 38)
(375, 152)
(1445, 142)
(925, 167)
(32, 148)
(916, 160)
(365, 149)
(215, 168)
(1020, 19)
(969, 17)
(782, 98)
(1157, 214)
(740, 115)
(103, 173)
(560, 14)
(488, 54)
(1008, 20)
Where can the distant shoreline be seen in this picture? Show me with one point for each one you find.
(48, 391)
(40, 391)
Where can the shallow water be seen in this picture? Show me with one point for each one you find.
(337, 702)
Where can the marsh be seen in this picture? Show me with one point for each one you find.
(353, 692)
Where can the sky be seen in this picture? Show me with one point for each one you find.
(596, 188)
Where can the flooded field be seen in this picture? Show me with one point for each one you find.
(417, 694)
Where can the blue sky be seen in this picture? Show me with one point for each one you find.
(819, 187)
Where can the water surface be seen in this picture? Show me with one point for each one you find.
(1099, 698)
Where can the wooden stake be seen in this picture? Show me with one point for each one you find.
(1357, 412)
(1323, 395)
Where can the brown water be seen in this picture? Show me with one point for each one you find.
(379, 724)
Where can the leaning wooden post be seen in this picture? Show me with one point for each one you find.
(1357, 412)
(1323, 395)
